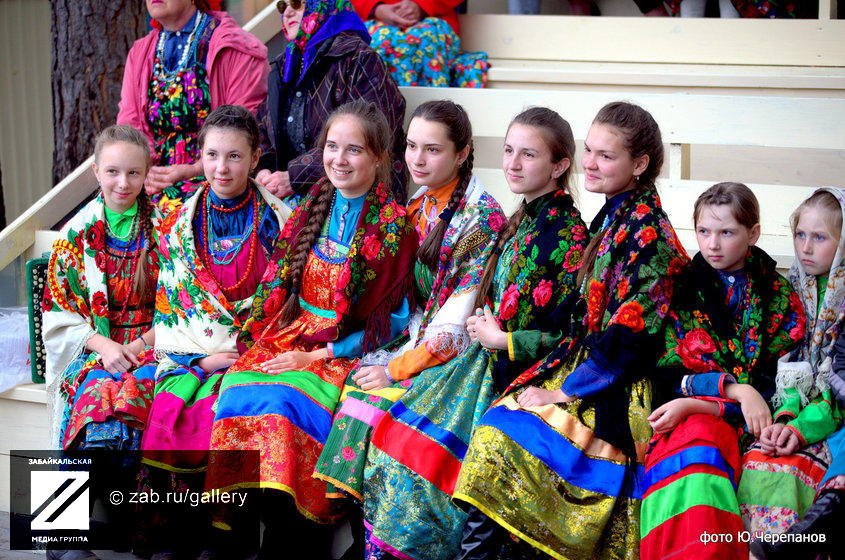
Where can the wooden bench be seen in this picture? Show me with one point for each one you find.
(686, 121)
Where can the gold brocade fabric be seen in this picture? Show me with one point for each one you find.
(513, 485)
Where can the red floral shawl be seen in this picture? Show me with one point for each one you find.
(377, 275)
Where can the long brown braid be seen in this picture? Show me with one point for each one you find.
(641, 136)
(130, 135)
(557, 134)
(316, 218)
(459, 131)
(377, 137)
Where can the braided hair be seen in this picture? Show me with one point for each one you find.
(557, 134)
(377, 138)
(641, 136)
(125, 133)
(459, 130)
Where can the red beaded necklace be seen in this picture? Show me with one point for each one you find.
(253, 238)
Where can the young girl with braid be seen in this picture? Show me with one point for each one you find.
(97, 311)
(526, 292)
(459, 223)
(215, 250)
(555, 461)
(98, 305)
(338, 284)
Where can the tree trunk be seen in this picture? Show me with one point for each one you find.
(90, 42)
(2, 201)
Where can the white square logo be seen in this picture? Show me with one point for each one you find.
(59, 500)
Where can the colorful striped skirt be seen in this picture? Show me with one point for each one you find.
(415, 456)
(690, 492)
(341, 464)
(543, 475)
(286, 416)
(774, 492)
(179, 423)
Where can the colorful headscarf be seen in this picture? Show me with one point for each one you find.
(321, 20)
(807, 368)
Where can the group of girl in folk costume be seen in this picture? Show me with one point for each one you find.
(454, 375)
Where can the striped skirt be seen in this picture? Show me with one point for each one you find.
(690, 492)
(415, 456)
(774, 492)
(543, 475)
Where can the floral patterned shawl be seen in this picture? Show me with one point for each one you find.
(624, 304)
(807, 368)
(75, 304)
(536, 274)
(702, 336)
(377, 274)
(467, 244)
(193, 316)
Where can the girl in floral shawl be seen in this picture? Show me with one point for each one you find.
(789, 461)
(732, 317)
(98, 305)
(215, 251)
(526, 294)
(556, 460)
(458, 223)
(339, 284)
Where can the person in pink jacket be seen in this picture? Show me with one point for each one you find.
(194, 60)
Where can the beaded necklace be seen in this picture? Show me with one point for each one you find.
(187, 52)
(133, 256)
(252, 233)
(214, 242)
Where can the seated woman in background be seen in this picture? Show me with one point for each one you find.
(338, 285)
(327, 62)
(194, 61)
(418, 40)
(782, 471)
(732, 317)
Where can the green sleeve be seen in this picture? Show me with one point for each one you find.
(531, 345)
(818, 419)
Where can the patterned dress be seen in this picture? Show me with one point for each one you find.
(287, 416)
(437, 332)
(723, 328)
(427, 54)
(90, 289)
(214, 254)
(774, 492)
(179, 103)
(419, 443)
(560, 476)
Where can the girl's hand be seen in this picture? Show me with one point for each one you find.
(294, 360)
(214, 362)
(277, 182)
(160, 177)
(787, 442)
(371, 378)
(535, 396)
(116, 357)
(755, 411)
(666, 418)
(488, 333)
